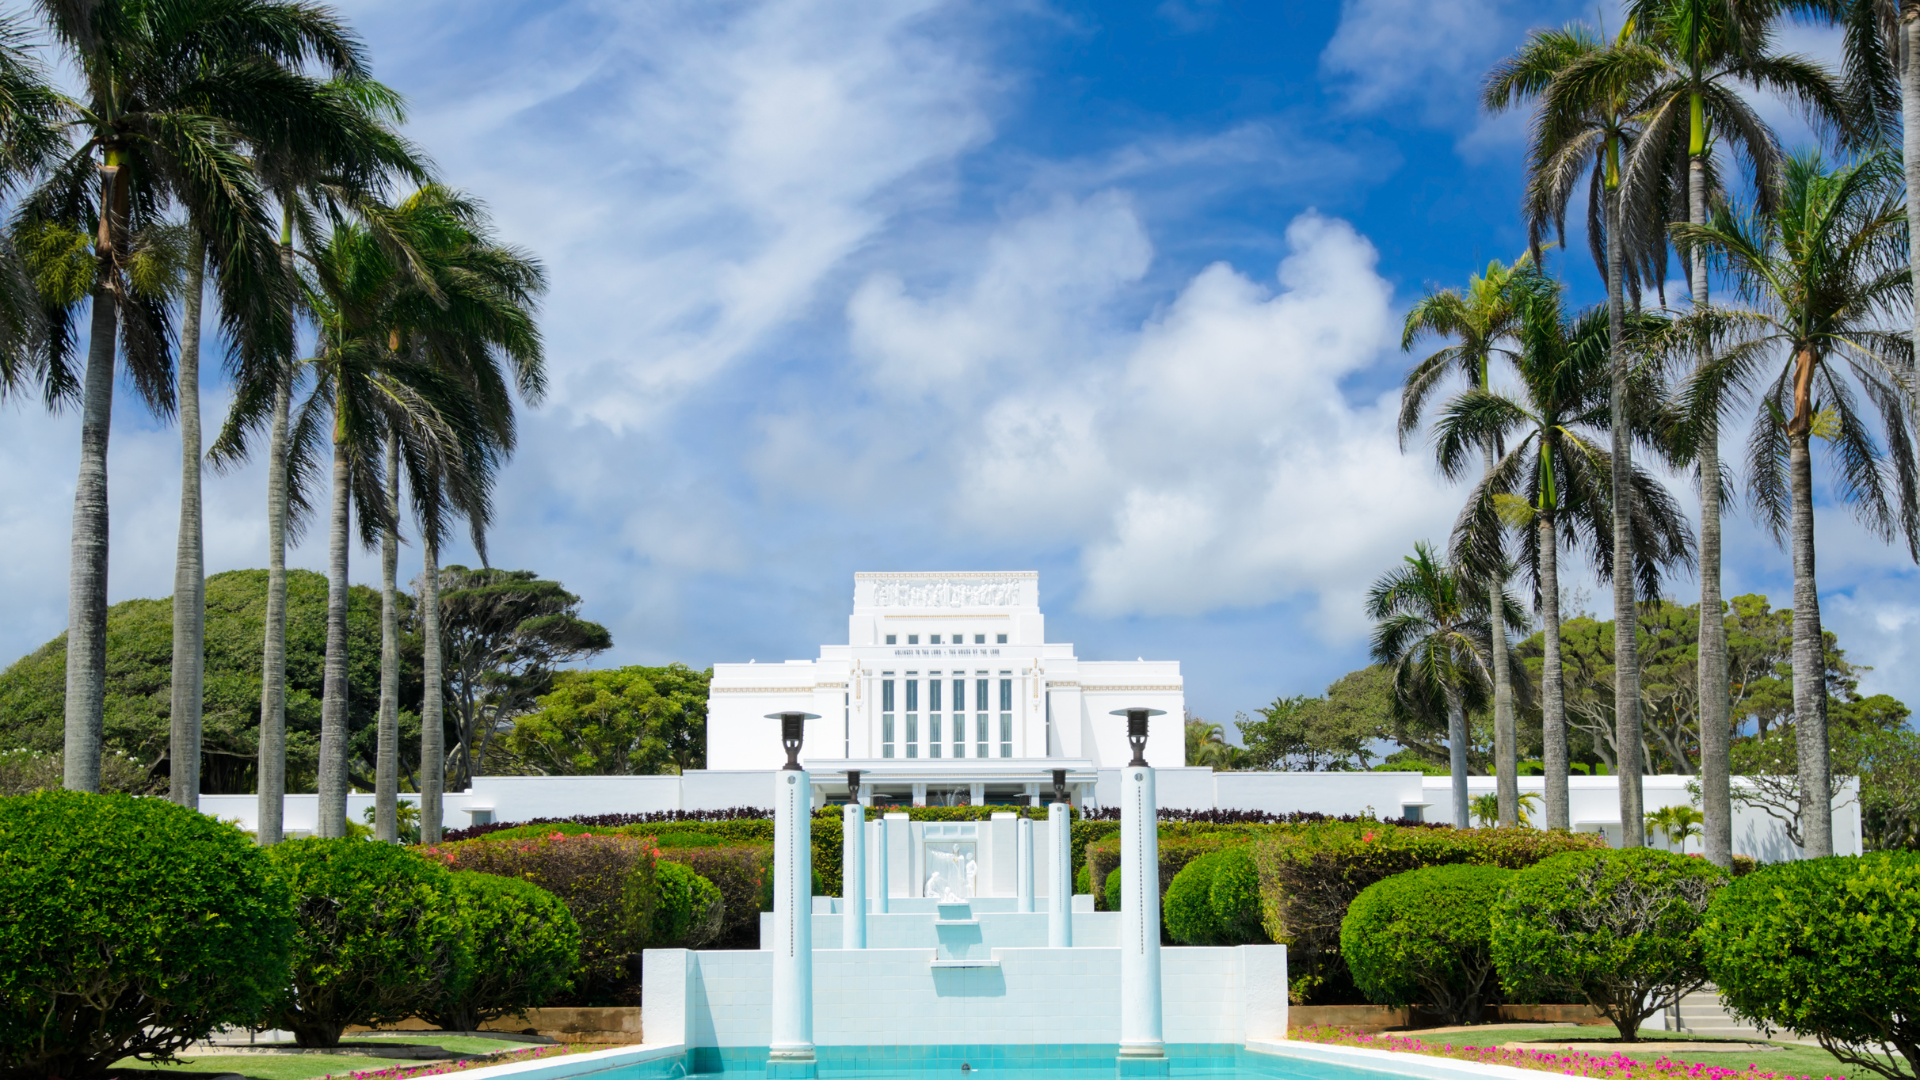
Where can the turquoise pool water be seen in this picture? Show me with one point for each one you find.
(985, 1062)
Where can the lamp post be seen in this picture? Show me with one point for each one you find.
(790, 1051)
(1142, 1039)
(1059, 868)
(853, 866)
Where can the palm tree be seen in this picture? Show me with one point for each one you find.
(30, 114)
(1554, 482)
(1481, 318)
(1822, 273)
(1678, 823)
(155, 128)
(1591, 99)
(1432, 630)
(1712, 50)
(472, 322)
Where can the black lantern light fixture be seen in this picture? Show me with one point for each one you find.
(1060, 785)
(853, 785)
(1137, 731)
(793, 728)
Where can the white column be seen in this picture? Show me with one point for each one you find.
(1023, 864)
(976, 794)
(792, 1042)
(853, 871)
(1140, 1018)
(1060, 889)
(877, 841)
(919, 794)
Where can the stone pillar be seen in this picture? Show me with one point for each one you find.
(1142, 1042)
(1023, 864)
(790, 1052)
(877, 841)
(1060, 888)
(853, 877)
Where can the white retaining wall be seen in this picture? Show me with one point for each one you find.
(893, 997)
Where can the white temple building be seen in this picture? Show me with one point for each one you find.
(947, 692)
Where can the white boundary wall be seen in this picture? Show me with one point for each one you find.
(1594, 802)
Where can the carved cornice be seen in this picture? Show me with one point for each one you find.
(1130, 689)
(763, 689)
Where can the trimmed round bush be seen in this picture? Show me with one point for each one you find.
(524, 946)
(1112, 891)
(1828, 948)
(1425, 938)
(1236, 897)
(1187, 910)
(742, 875)
(129, 927)
(687, 839)
(377, 926)
(1616, 929)
(690, 908)
(1081, 882)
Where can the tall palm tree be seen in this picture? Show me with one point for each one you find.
(1481, 319)
(1554, 482)
(1432, 631)
(1713, 50)
(152, 130)
(474, 324)
(30, 115)
(1591, 96)
(1822, 274)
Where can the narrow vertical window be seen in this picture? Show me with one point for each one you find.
(959, 717)
(913, 712)
(1006, 715)
(886, 714)
(980, 699)
(933, 733)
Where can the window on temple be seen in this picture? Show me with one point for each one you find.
(913, 639)
(1006, 714)
(886, 714)
(892, 639)
(980, 699)
(934, 639)
(979, 639)
(913, 711)
(1001, 638)
(959, 717)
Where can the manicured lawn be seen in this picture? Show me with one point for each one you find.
(311, 1066)
(1792, 1060)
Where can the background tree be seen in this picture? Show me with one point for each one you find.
(505, 634)
(1336, 733)
(623, 722)
(1822, 275)
(1481, 318)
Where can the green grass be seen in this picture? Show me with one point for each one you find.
(1791, 1060)
(311, 1066)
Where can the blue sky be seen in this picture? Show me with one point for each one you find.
(1110, 291)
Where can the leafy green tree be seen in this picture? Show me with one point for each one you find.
(1820, 272)
(1553, 483)
(620, 722)
(1482, 318)
(139, 673)
(506, 633)
(1590, 113)
(1337, 732)
(1428, 630)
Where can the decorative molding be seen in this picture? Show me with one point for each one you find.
(1064, 684)
(920, 575)
(956, 590)
(762, 689)
(1132, 689)
(830, 686)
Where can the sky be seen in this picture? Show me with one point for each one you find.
(1111, 291)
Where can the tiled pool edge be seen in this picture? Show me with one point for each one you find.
(1420, 1066)
(568, 1066)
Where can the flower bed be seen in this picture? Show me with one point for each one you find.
(1614, 1066)
(437, 1068)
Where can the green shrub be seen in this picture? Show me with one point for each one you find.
(524, 946)
(1828, 948)
(1081, 883)
(1424, 937)
(1617, 929)
(1310, 873)
(1187, 911)
(743, 877)
(1111, 893)
(129, 927)
(1235, 897)
(690, 908)
(376, 925)
(1176, 850)
(606, 881)
(687, 839)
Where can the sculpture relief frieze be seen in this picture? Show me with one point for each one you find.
(947, 592)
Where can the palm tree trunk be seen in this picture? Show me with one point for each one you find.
(1457, 758)
(433, 750)
(273, 667)
(189, 564)
(1626, 663)
(87, 562)
(1716, 767)
(333, 703)
(1506, 764)
(1553, 698)
(386, 783)
(1809, 666)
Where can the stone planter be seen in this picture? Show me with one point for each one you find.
(613, 1024)
(1374, 1018)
